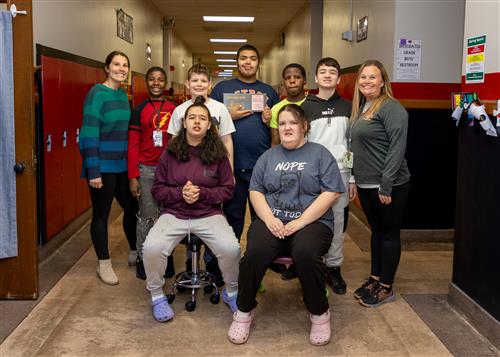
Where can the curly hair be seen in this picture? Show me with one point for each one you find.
(212, 148)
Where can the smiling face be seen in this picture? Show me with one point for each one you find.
(156, 84)
(197, 122)
(198, 84)
(248, 63)
(327, 77)
(294, 82)
(291, 130)
(118, 69)
(370, 82)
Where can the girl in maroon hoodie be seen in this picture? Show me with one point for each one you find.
(193, 178)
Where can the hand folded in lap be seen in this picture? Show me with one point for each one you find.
(294, 226)
(276, 227)
(190, 192)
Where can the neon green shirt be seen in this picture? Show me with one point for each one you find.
(276, 109)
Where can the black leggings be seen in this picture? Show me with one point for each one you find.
(385, 222)
(306, 247)
(114, 185)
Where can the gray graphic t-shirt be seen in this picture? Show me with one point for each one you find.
(292, 179)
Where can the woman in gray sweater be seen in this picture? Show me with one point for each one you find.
(378, 130)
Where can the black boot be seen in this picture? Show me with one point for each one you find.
(139, 269)
(213, 268)
(170, 271)
(335, 280)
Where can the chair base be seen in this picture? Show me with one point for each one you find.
(194, 280)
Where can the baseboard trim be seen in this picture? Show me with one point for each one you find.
(476, 315)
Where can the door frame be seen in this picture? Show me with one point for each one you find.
(19, 275)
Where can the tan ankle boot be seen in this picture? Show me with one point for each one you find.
(106, 273)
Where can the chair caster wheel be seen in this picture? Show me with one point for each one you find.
(190, 305)
(170, 298)
(215, 298)
(181, 289)
(208, 289)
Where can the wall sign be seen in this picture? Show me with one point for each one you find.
(408, 59)
(475, 56)
(362, 30)
(124, 26)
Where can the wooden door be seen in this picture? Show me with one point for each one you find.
(19, 275)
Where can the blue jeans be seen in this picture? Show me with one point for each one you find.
(235, 209)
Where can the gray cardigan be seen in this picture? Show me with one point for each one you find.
(379, 147)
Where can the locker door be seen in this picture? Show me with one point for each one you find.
(80, 91)
(67, 112)
(53, 147)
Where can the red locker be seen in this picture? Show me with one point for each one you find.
(68, 147)
(80, 91)
(53, 146)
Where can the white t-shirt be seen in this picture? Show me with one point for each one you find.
(218, 111)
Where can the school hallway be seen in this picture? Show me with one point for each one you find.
(81, 316)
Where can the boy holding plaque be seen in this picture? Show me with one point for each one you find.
(252, 135)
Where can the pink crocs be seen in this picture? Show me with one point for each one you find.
(320, 330)
(240, 328)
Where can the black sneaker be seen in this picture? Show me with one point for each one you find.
(140, 273)
(289, 273)
(378, 296)
(335, 280)
(213, 268)
(170, 270)
(366, 288)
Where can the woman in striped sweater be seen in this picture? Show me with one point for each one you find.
(103, 146)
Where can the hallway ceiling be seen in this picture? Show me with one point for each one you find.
(271, 16)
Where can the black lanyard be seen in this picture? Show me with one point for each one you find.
(158, 113)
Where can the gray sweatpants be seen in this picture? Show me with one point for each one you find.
(148, 207)
(335, 255)
(168, 231)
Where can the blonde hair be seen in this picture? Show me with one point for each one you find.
(359, 99)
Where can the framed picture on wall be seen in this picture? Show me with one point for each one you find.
(362, 30)
(124, 26)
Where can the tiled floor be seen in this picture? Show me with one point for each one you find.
(81, 316)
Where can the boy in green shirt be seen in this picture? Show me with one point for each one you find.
(294, 80)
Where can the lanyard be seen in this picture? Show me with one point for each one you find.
(158, 113)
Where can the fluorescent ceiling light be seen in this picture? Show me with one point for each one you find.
(228, 40)
(229, 18)
(228, 65)
(225, 52)
(225, 60)
(228, 70)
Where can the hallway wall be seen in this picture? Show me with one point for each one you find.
(439, 25)
(482, 18)
(88, 29)
(381, 27)
(179, 54)
(296, 49)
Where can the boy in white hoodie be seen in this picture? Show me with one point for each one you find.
(329, 118)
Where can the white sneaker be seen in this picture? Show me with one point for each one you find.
(106, 273)
(132, 258)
